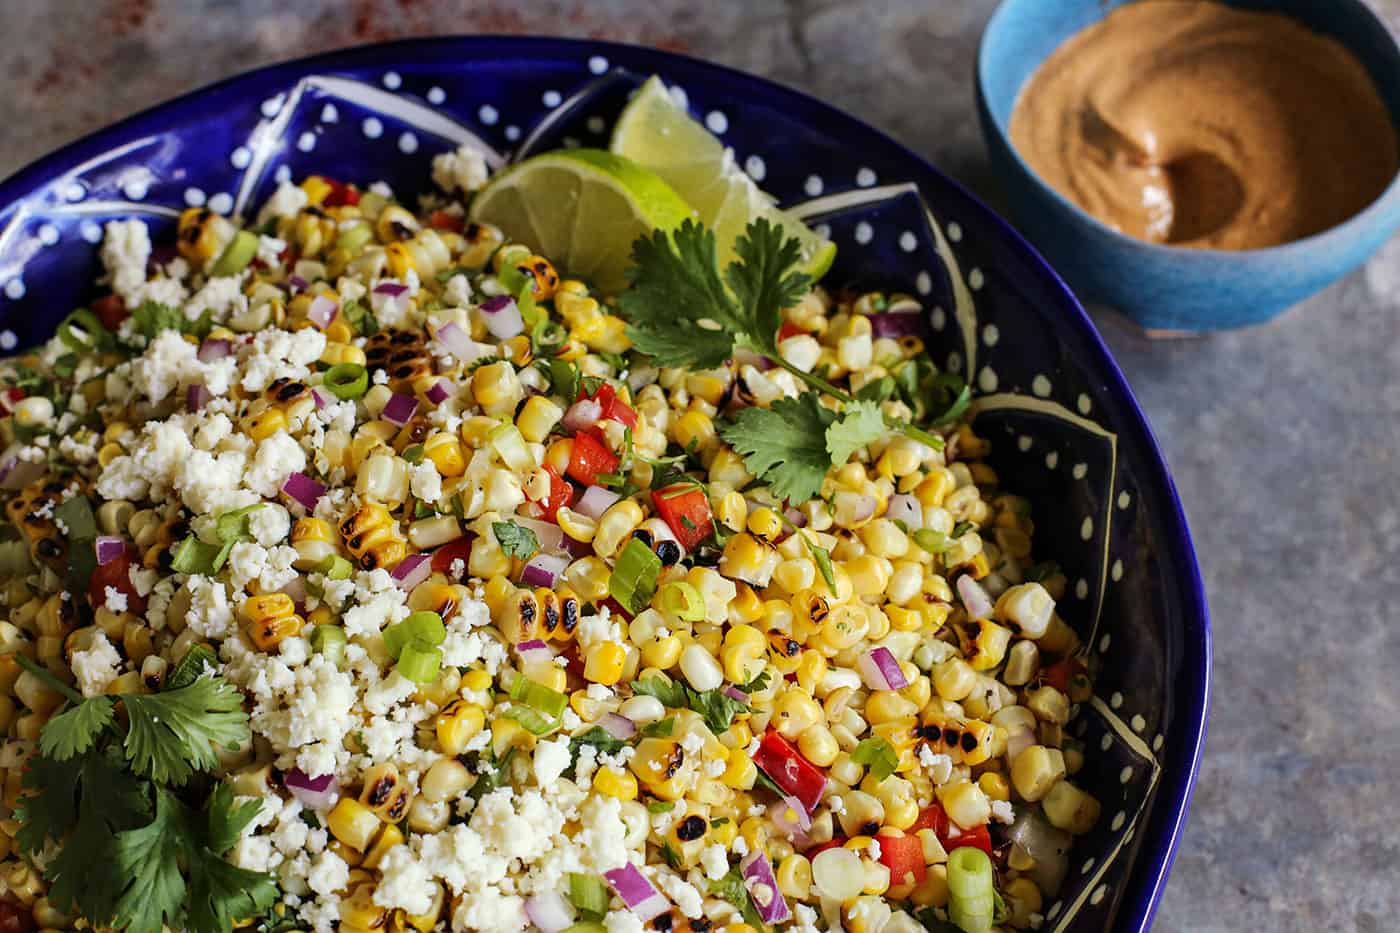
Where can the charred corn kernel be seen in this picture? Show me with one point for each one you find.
(659, 766)
(519, 619)
(749, 559)
(603, 663)
(765, 523)
(444, 449)
(744, 653)
(457, 724)
(988, 646)
(615, 782)
(538, 418)
(388, 837)
(395, 224)
(352, 823)
(544, 281)
(359, 913)
(202, 234)
(965, 803)
(266, 423)
(372, 536)
(385, 793)
(269, 619)
(560, 613)
(1036, 770)
(1069, 808)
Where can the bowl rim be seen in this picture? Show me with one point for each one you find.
(1383, 211)
(1162, 833)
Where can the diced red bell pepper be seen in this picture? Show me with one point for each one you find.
(116, 574)
(789, 770)
(832, 843)
(561, 493)
(341, 194)
(446, 220)
(14, 918)
(904, 857)
(590, 458)
(686, 509)
(110, 310)
(443, 557)
(933, 817)
(613, 408)
(1059, 674)
(9, 398)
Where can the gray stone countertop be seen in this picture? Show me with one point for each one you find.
(1283, 439)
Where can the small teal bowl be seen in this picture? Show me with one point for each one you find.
(1169, 288)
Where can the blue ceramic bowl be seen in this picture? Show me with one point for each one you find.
(1163, 287)
(1066, 429)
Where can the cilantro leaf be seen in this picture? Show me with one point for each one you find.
(758, 683)
(52, 809)
(761, 279)
(599, 738)
(878, 755)
(76, 729)
(148, 859)
(823, 558)
(152, 317)
(861, 424)
(785, 444)
(716, 707)
(671, 694)
(220, 892)
(196, 662)
(661, 729)
(173, 733)
(675, 286)
(223, 821)
(360, 317)
(515, 540)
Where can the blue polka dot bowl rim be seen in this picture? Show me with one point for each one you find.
(1065, 428)
(1167, 288)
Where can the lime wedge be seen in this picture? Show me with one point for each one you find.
(581, 209)
(657, 133)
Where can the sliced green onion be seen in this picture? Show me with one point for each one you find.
(233, 526)
(935, 542)
(236, 256)
(419, 662)
(878, 755)
(347, 380)
(633, 580)
(330, 641)
(538, 697)
(683, 600)
(413, 454)
(353, 239)
(85, 322)
(661, 806)
(425, 627)
(589, 894)
(193, 556)
(509, 444)
(531, 721)
(336, 567)
(971, 897)
(589, 926)
(371, 204)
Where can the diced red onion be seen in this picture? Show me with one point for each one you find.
(412, 570)
(197, 396)
(880, 670)
(400, 408)
(214, 348)
(534, 651)
(866, 508)
(791, 818)
(550, 536)
(543, 570)
(905, 508)
(315, 793)
(975, 599)
(639, 377)
(440, 392)
(618, 726)
(581, 414)
(322, 311)
(796, 516)
(1018, 739)
(734, 693)
(575, 549)
(897, 324)
(637, 892)
(296, 589)
(304, 490)
(460, 344)
(743, 356)
(320, 398)
(757, 871)
(109, 548)
(297, 284)
(595, 501)
(1048, 846)
(502, 317)
(550, 911)
(389, 296)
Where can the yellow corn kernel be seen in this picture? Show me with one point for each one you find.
(994, 786)
(389, 837)
(266, 423)
(603, 663)
(603, 332)
(537, 418)
(988, 647)
(317, 189)
(352, 823)
(749, 559)
(497, 389)
(1036, 770)
(744, 653)
(614, 782)
(662, 653)
(588, 577)
(314, 540)
(1071, 809)
(740, 772)
(615, 526)
(460, 722)
(765, 523)
(386, 793)
(965, 803)
(108, 453)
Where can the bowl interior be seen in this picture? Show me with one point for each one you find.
(1023, 33)
(1066, 429)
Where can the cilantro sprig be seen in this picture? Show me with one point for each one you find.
(136, 849)
(682, 313)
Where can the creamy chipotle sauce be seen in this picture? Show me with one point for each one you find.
(1192, 123)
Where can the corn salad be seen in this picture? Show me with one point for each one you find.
(522, 641)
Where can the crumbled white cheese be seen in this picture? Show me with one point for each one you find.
(126, 248)
(96, 666)
(551, 760)
(286, 201)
